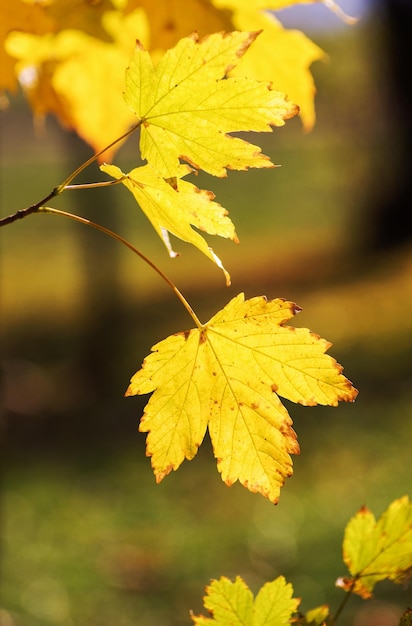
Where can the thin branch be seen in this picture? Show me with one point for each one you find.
(335, 617)
(110, 233)
(34, 208)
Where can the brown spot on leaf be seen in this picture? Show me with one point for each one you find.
(172, 182)
(183, 333)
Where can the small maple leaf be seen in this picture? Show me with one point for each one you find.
(187, 105)
(176, 206)
(232, 604)
(378, 550)
(227, 376)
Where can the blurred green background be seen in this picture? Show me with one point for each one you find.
(88, 538)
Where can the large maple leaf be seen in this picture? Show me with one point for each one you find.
(227, 376)
(187, 105)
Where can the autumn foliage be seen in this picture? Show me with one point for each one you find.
(186, 76)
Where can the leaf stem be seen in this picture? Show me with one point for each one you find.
(104, 183)
(110, 233)
(96, 156)
(34, 208)
(335, 617)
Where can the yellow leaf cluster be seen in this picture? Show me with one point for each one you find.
(179, 121)
(82, 84)
(79, 77)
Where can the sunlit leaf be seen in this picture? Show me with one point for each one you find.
(378, 550)
(188, 105)
(227, 376)
(80, 78)
(283, 57)
(232, 604)
(176, 210)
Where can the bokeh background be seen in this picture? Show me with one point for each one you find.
(87, 537)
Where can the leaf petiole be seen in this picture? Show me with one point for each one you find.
(110, 233)
(104, 183)
(56, 191)
(334, 618)
(93, 158)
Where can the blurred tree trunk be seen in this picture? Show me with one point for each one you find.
(102, 304)
(388, 221)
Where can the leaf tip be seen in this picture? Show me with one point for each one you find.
(129, 392)
(139, 45)
(160, 475)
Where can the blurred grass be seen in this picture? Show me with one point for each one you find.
(87, 536)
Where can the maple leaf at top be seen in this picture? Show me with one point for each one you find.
(227, 375)
(378, 550)
(187, 105)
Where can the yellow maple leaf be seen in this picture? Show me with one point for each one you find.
(375, 550)
(175, 210)
(227, 376)
(283, 57)
(187, 105)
